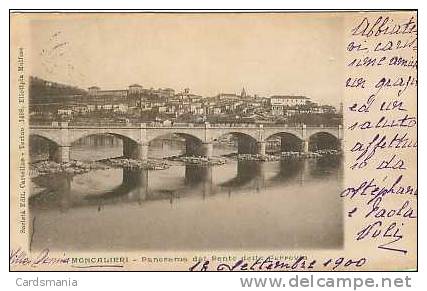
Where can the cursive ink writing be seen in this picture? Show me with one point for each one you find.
(384, 122)
(269, 264)
(20, 257)
(379, 211)
(373, 189)
(381, 85)
(380, 229)
(380, 142)
(384, 26)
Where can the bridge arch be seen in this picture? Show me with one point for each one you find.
(43, 137)
(194, 145)
(131, 147)
(289, 142)
(46, 136)
(295, 131)
(323, 140)
(123, 134)
(241, 131)
(42, 147)
(60, 146)
(334, 131)
(246, 143)
(183, 135)
(119, 136)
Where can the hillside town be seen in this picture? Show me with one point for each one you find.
(50, 101)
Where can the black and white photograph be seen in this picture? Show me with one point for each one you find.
(213, 140)
(177, 132)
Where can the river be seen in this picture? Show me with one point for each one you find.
(291, 204)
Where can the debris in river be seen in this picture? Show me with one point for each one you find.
(198, 160)
(283, 156)
(72, 167)
(136, 164)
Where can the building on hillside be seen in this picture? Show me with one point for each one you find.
(280, 103)
(135, 89)
(112, 93)
(327, 109)
(93, 90)
(227, 97)
(288, 100)
(65, 111)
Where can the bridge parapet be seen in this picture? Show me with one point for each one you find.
(57, 124)
(136, 137)
(64, 133)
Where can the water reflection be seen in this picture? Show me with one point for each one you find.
(290, 171)
(196, 180)
(252, 205)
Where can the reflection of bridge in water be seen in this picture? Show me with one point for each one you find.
(199, 138)
(197, 181)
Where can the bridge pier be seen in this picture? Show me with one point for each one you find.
(193, 148)
(260, 147)
(206, 149)
(135, 151)
(60, 154)
(304, 146)
(133, 137)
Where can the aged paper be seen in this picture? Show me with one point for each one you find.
(213, 141)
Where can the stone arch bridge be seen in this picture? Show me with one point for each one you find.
(199, 137)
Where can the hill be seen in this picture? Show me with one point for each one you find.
(43, 91)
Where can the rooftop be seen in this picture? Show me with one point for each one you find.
(289, 97)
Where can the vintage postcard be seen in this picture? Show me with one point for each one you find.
(207, 141)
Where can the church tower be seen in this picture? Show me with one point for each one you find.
(243, 94)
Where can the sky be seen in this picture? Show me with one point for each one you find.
(268, 54)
